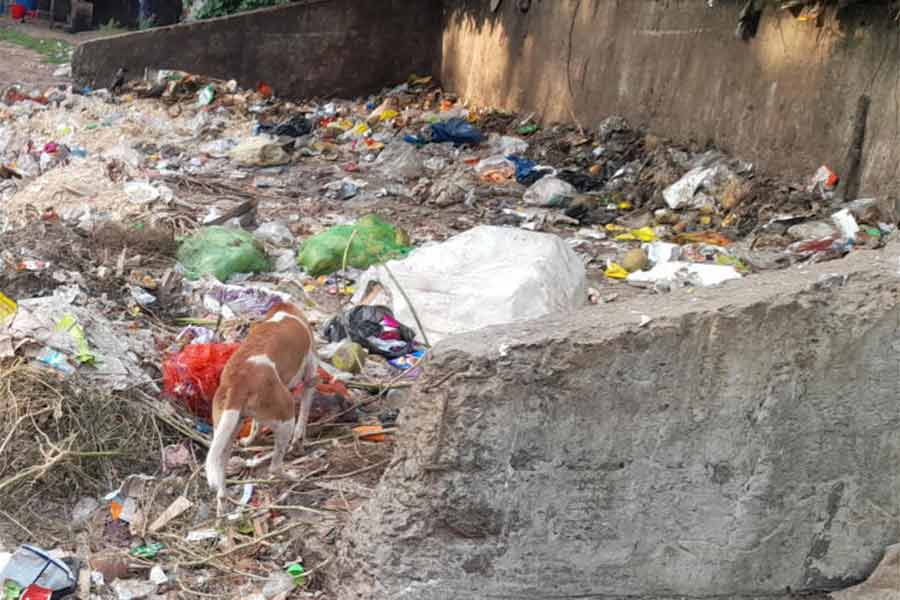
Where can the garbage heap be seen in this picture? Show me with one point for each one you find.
(143, 229)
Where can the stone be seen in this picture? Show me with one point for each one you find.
(635, 260)
(349, 357)
(754, 454)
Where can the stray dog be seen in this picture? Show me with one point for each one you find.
(278, 354)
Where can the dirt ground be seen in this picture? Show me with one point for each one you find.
(27, 67)
(21, 65)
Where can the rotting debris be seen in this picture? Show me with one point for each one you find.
(143, 231)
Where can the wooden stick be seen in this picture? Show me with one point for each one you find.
(848, 186)
(277, 532)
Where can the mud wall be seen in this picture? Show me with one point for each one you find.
(308, 48)
(742, 445)
(784, 99)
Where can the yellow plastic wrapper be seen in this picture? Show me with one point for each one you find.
(69, 324)
(613, 228)
(388, 115)
(8, 307)
(624, 205)
(616, 271)
(644, 234)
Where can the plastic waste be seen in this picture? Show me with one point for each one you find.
(549, 192)
(296, 126)
(456, 130)
(141, 192)
(8, 307)
(661, 252)
(365, 243)
(126, 154)
(344, 189)
(674, 272)
(278, 584)
(276, 233)
(36, 592)
(615, 271)
(496, 169)
(191, 376)
(297, 573)
(699, 187)
(528, 171)
(507, 144)
(644, 234)
(133, 589)
(222, 252)
(158, 576)
(846, 224)
(400, 162)
(820, 250)
(370, 433)
(374, 328)
(824, 181)
(241, 301)
(29, 565)
(206, 95)
(484, 276)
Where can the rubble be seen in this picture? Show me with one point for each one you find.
(143, 231)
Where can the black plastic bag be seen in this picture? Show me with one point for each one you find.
(365, 325)
(295, 127)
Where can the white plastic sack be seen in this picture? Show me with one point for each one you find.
(549, 191)
(700, 274)
(506, 144)
(485, 276)
(30, 565)
(141, 192)
(687, 191)
(400, 161)
(846, 224)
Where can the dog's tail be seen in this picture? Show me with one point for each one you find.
(220, 449)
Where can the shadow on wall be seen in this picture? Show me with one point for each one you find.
(506, 27)
(784, 97)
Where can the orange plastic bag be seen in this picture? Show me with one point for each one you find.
(192, 375)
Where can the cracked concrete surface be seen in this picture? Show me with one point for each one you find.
(745, 443)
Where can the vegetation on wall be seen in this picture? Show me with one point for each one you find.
(220, 8)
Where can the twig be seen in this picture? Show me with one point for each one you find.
(314, 511)
(408, 303)
(356, 472)
(213, 557)
(19, 422)
(188, 590)
(22, 527)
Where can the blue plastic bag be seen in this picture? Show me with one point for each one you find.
(526, 170)
(458, 131)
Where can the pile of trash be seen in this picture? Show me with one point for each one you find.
(144, 229)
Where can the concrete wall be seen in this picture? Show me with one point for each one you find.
(784, 99)
(309, 48)
(743, 444)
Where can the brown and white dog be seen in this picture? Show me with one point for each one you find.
(278, 354)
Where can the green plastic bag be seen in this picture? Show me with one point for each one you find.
(371, 241)
(222, 251)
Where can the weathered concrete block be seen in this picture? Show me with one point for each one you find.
(744, 443)
(313, 48)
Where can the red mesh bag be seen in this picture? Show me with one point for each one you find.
(192, 375)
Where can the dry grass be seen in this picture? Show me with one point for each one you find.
(61, 441)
